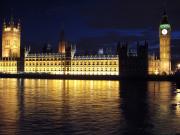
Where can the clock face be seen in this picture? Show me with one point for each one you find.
(164, 31)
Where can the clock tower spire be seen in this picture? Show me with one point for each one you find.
(165, 45)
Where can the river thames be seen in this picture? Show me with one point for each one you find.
(85, 107)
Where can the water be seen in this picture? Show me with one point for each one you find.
(75, 107)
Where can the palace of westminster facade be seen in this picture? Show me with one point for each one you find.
(65, 62)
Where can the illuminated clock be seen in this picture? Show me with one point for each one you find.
(164, 31)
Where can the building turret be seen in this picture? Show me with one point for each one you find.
(122, 49)
(47, 48)
(142, 57)
(142, 50)
(62, 43)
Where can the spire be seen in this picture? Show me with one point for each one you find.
(4, 24)
(62, 32)
(165, 12)
(19, 24)
(165, 16)
(165, 8)
(62, 35)
(12, 19)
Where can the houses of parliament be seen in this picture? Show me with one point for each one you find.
(66, 62)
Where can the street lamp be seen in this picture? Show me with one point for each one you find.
(178, 66)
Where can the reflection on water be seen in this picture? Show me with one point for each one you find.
(88, 107)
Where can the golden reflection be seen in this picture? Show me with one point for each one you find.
(73, 88)
(160, 92)
(177, 101)
(8, 105)
(53, 96)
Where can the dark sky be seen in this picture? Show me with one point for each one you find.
(92, 24)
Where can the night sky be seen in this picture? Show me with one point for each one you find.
(92, 24)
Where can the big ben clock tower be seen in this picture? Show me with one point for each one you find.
(165, 45)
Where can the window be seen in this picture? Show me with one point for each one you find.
(7, 42)
(15, 43)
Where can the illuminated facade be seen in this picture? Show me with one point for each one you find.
(78, 65)
(153, 65)
(11, 40)
(8, 65)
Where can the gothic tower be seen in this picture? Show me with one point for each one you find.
(62, 43)
(11, 35)
(165, 45)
